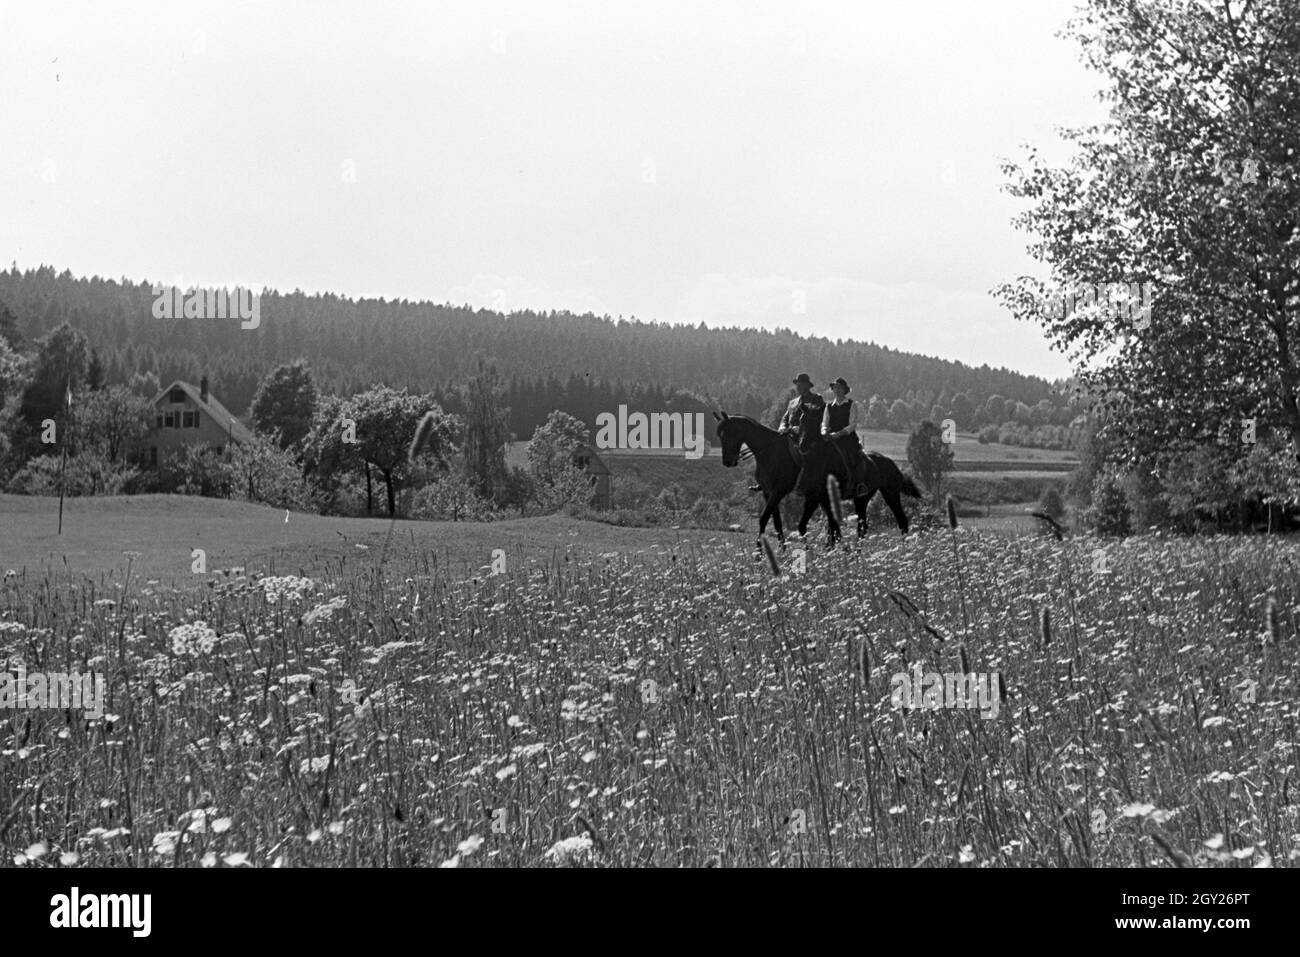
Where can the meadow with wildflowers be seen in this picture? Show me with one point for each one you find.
(691, 708)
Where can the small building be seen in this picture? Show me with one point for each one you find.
(585, 458)
(185, 415)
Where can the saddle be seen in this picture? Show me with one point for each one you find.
(850, 471)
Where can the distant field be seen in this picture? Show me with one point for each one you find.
(1022, 470)
(984, 473)
(163, 529)
(969, 454)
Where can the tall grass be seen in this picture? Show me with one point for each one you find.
(508, 720)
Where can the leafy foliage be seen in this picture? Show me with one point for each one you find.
(261, 471)
(1109, 513)
(449, 498)
(110, 420)
(84, 475)
(557, 481)
(930, 456)
(1191, 187)
(383, 422)
(285, 403)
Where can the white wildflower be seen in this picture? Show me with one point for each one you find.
(570, 849)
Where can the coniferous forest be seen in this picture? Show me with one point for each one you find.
(581, 364)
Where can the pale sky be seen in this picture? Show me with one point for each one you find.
(691, 162)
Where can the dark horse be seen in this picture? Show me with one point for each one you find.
(778, 464)
(821, 458)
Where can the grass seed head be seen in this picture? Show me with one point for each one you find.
(1052, 524)
(1274, 625)
(422, 435)
(837, 504)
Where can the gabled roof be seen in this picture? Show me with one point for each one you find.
(213, 407)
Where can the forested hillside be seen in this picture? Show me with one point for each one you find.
(582, 364)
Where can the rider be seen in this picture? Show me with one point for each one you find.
(840, 425)
(806, 402)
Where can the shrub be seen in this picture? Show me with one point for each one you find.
(709, 513)
(1147, 504)
(450, 498)
(195, 469)
(1108, 514)
(85, 475)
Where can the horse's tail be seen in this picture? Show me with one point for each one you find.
(909, 487)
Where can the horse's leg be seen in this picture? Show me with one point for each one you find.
(762, 518)
(860, 506)
(809, 506)
(776, 520)
(832, 526)
(896, 506)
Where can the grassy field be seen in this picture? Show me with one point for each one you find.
(155, 536)
(160, 532)
(669, 703)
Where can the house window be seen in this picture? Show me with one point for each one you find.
(169, 420)
(189, 420)
(160, 420)
(178, 395)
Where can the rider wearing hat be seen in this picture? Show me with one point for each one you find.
(807, 402)
(840, 425)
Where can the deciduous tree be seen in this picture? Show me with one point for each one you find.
(285, 402)
(1192, 187)
(930, 456)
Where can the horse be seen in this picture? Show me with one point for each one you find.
(778, 467)
(821, 458)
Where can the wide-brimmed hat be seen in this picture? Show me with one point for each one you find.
(802, 377)
(841, 383)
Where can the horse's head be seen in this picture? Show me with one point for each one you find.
(729, 436)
